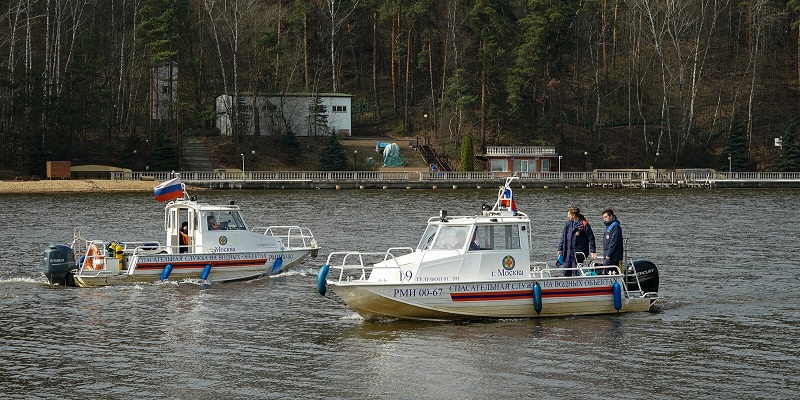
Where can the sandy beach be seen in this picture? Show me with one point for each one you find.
(76, 186)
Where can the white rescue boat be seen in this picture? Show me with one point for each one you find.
(207, 242)
(447, 277)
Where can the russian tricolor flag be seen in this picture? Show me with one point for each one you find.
(507, 200)
(169, 190)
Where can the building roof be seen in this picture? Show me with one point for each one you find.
(292, 94)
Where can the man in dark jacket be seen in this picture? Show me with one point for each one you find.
(612, 241)
(577, 237)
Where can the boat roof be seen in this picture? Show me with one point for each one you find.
(487, 218)
(183, 203)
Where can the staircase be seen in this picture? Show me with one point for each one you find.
(195, 155)
(432, 158)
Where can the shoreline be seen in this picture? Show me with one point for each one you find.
(68, 186)
(76, 186)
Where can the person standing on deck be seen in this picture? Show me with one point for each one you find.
(576, 237)
(612, 242)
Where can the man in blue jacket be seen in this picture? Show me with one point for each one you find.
(612, 241)
(577, 237)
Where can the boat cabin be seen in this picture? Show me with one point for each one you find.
(209, 227)
(489, 246)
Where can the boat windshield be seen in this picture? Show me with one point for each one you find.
(226, 220)
(427, 238)
(450, 237)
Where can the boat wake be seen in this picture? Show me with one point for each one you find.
(28, 279)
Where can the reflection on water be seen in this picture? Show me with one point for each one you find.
(729, 326)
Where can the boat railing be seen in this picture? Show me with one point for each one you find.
(352, 264)
(292, 235)
(588, 267)
(540, 269)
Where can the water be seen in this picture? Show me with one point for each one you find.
(729, 328)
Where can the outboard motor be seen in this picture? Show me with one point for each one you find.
(59, 260)
(647, 273)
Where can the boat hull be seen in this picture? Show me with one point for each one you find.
(499, 299)
(224, 267)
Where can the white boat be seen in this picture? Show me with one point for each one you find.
(223, 251)
(490, 276)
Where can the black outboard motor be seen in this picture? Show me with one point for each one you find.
(647, 273)
(59, 260)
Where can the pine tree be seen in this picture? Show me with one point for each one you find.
(790, 149)
(290, 146)
(333, 156)
(467, 154)
(736, 149)
(164, 155)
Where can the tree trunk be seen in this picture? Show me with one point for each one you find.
(433, 94)
(395, 27)
(375, 98)
(483, 103)
(305, 52)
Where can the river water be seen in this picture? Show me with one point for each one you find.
(729, 326)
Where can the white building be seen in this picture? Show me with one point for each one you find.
(164, 91)
(305, 114)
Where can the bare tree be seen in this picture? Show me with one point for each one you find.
(680, 33)
(229, 15)
(762, 18)
(336, 19)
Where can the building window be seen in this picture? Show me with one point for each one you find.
(545, 165)
(164, 89)
(499, 165)
(339, 108)
(524, 166)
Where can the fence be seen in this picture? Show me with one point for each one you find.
(589, 178)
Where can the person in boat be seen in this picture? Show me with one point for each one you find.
(473, 244)
(461, 237)
(212, 223)
(577, 240)
(612, 242)
(184, 237)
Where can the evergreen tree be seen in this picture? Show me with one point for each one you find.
(736, 149)
(333, 156)
(318, 117)
(467, 154)
(164, 156)
(790, 149)
(290, 145)
(157, 29)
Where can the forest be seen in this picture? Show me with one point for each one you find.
(611, 83)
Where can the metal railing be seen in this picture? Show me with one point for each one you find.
(293, 236)
(622, 177)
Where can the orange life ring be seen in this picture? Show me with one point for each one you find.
(91, 253)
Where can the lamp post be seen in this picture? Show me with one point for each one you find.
(355, 160)
(253, 160)
(655, 161)
(559, 166)
(586, 155)
(135, 158)
(242, 154)
(729, 164)
(426, 128)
